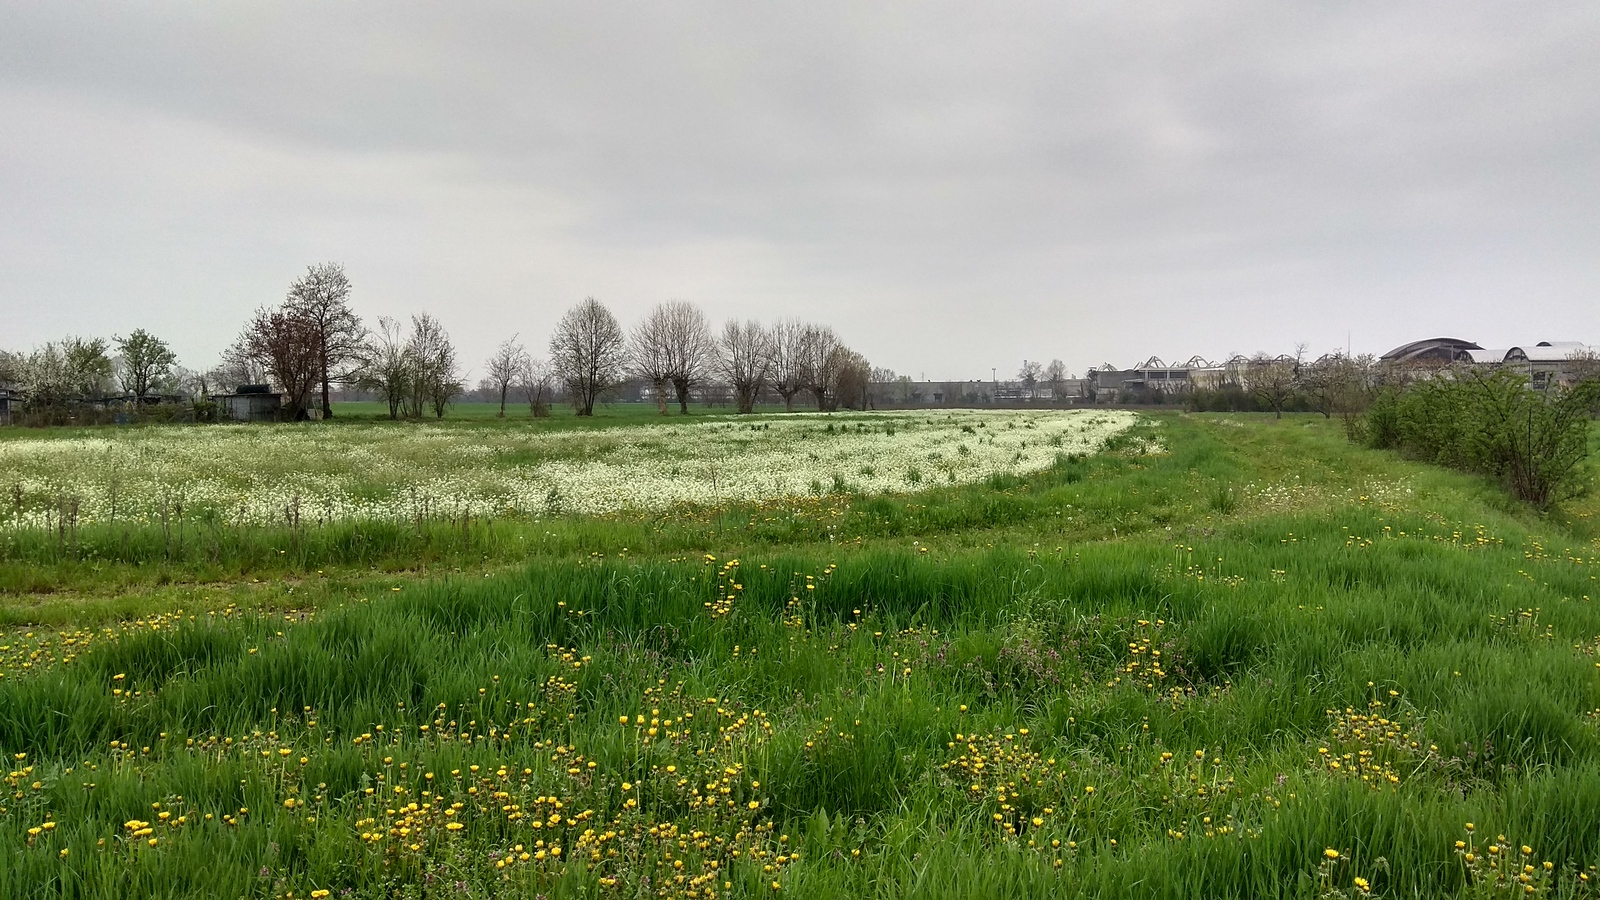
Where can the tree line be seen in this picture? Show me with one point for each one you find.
(314, 341)
(1334, 385)
(139, 366)
(674, 349)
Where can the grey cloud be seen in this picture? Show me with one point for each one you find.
(958, 185)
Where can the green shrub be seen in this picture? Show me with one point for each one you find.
(1532, 441)
(1381, 427)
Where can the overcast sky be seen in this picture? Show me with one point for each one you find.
(953, 186)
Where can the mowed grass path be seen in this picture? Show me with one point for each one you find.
(1190, 674)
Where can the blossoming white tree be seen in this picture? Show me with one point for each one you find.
(321, 298)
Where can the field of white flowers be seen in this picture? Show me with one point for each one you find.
(263, 475)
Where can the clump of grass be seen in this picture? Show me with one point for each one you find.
(1224, 500)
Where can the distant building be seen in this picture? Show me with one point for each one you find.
(1546, 363)
(251, 403)
(1151, 380)
(1440, 351)
(7, 400)
(905, 393)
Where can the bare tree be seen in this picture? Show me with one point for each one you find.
(1090, 388)
(238, 366)
(1583, 365)
(588, 352)
(1271, 380)
(852, 378)
(884, 387)
(1055, 375)
(1357, 389)
(650, 356)
(788, 369)
(1029, 376)
(1318, 384)
(690, 347)
(1334, 383)
(436, 381)
(386, 368)
(533, 380)
(143, 360)
(1233, 371)
(197, 385)
(819, 363)
(505, 368)
(285, 345)
(321, 297)
(744, 360)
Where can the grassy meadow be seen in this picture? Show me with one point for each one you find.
(1222, 656)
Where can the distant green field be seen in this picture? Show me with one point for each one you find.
(1223, 656)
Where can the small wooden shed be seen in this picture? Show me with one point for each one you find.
(251, 403)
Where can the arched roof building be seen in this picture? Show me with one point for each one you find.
(1433, 351)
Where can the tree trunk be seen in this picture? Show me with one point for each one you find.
(503, 389)
(327, 409)
(682, 388)
(661, 395)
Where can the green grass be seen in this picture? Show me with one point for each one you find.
(1293, 586)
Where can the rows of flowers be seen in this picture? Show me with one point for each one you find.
(302, 475)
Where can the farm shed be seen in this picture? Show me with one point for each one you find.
(251, 403)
